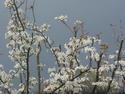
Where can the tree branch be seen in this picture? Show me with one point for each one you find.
(18, 16)
(97, 72)
(113, 73)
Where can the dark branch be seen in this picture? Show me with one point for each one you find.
(118, 58)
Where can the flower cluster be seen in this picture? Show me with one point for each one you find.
(83, 63)
(72, 76)
(24, 40)
(8, 3)
(62, 18)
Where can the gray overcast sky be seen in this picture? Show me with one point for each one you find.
(97, 14)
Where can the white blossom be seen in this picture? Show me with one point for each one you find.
(8, 3)
(122, 62)
(78, 22)
(50, 88)
(38, 39)
(51, 70)
(44, 27)
(100, 84)
(112, 56)
(62, 18)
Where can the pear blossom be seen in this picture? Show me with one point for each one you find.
(112, 56)
(44, 27)
(78, 22)
(33, 81)
(38, 39)
(50, 88)
(122, 62)
(1, 67)
(100, 84)
(62, 18)
(51, 70)
(120, 73)
(22, 87)
(8, 3)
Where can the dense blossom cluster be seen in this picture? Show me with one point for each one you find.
(70, 67)
(83, 63)
(22, 44)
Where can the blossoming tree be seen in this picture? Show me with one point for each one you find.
(103, 72)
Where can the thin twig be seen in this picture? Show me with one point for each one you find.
(38, 68)
(26, 4)
(18, 16)
(33, 12)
